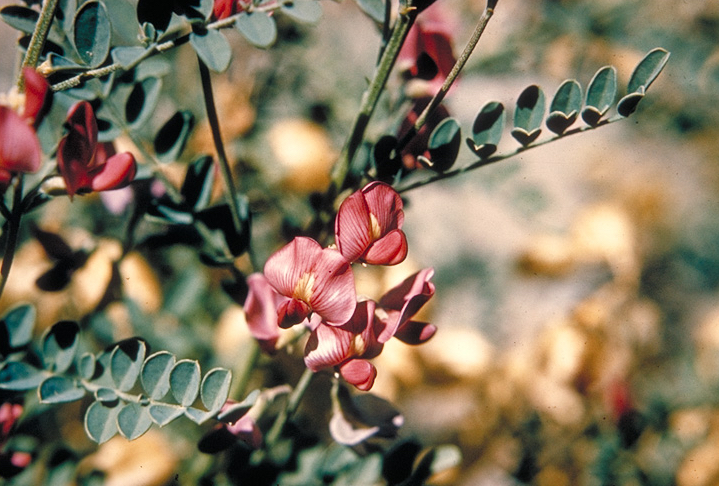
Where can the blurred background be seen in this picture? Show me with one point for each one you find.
(577, 298)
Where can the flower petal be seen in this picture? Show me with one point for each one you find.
(353, 227)
(333, 294)
(118, 172)
(385, 204)
(415, 332)
(288, 264)
(19, 145)
(327, 346)
(261, 311)
(391, 249)
(360, 373)
(404, 301)
(37, 95)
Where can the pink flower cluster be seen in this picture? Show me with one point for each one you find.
(304, 283)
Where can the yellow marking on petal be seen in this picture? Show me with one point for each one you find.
(13, 99)
(375, 230)
(358, 345)
(304, 288)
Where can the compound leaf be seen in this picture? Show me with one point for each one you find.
(59, 389)
(126, 362)
(212, 47)
(565, 106)
(91, 33)
(528, 115)
(444, 143)
(59, 346)
(600, 95)
(215, 388)
(487, 129)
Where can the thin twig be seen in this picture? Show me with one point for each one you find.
(369, 99)
(39, 36)
(225, 170)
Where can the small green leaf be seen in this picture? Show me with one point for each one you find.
(444, 143)
(59, 346)
(59, 389)
(198, 416)
(648, 69)
(156, 374)
(628, 104)
(101, 422)
(16, 375)
(308, 11)
(20, 18)
(487, 129)
(141, 102)
(92, 32)
(163, 414)
(133, 420)
(185, 381)
(643, 76)
(565, 106)
(375, 9)
(172, 136)
(86, 366)
(127, 56)
(126, 362)
(215, 388)
(600, 95)
(106, 396)
(212, 47)
(18, 323)
(528, 115)
(258, 28)
(198, 183)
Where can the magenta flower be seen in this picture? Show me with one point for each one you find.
(347, 347)
(261, 311)
(87, 165)
(396, 308)
(314, 280)
(19, 146)
(368, 226)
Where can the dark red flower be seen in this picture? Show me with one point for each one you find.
(368, 227)
(85, 165)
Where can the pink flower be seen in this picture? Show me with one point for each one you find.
(247, 431)
(426, 57)
(19, 146)
(396, 308)
(368, 226)
(226, 8)
(313, 280)
(86, 165)
(261, 311)
(347, 347)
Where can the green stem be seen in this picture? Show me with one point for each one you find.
(39, 36)
(292, 404)
(13, 231)
(369, 99)
(498, 158)
(225, 170)
(451, 77)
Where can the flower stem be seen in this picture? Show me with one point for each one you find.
(39, 36)
(12, 233)
(225, 169)
(451, 77)
(292, 404)
(370, 97)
